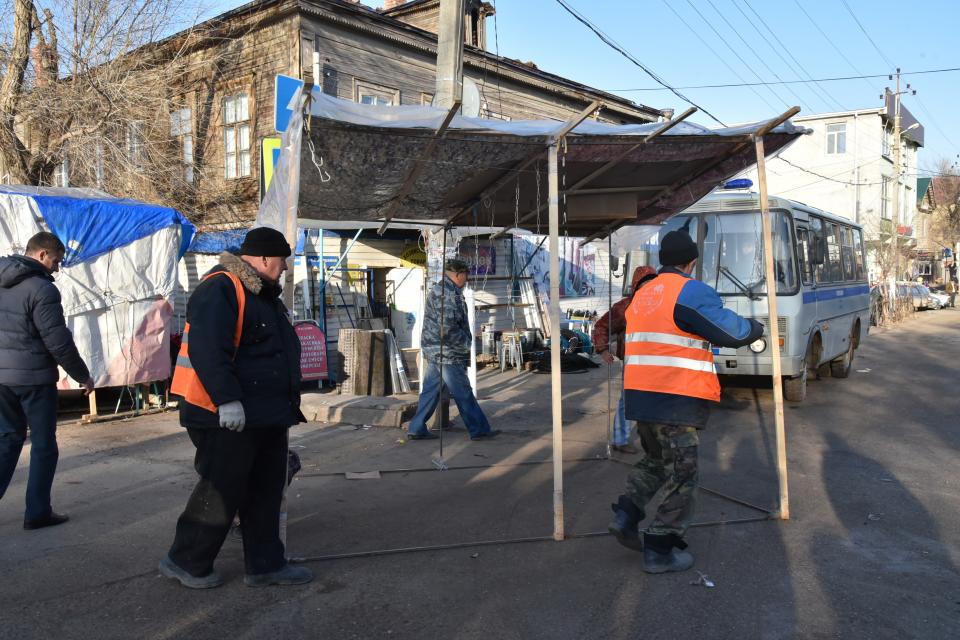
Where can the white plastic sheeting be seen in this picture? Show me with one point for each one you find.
(118, 304)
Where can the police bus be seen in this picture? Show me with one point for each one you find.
(823, 299)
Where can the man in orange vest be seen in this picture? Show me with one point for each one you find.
(669, 383)
(238, 372)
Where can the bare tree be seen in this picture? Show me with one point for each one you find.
(945, 228)
(89, 87)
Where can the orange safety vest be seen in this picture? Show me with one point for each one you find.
(661, 357)
(186, 383)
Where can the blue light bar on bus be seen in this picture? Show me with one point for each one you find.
(739, 183)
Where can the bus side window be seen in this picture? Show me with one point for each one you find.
(833, 252)
(846, 253)
(818, 254)
(803, 255)
(858, 253)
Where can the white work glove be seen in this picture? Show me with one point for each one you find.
(232, 416)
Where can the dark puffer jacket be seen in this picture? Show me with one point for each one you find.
(34, 337)
(264, 372)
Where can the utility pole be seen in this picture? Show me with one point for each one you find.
(449, 88)
(898, 169)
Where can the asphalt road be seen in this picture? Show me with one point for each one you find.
(871, 550)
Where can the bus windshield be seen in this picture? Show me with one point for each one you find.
(732, 262)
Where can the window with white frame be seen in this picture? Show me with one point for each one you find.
(236, 136)
(369, 93)
(61, 174)
(886, 146)
(136, 146)
(181, 129)
(836, 138)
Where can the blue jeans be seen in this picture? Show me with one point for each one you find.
(456, 381)
(621, 428)
(36, 406)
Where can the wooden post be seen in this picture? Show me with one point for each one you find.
(555, 383)
(93, 402)
(773, 331)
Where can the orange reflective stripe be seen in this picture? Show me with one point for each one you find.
(659, 356)
(185, 382)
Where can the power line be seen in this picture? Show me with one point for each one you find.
(829, 40)
(817, 91)
(755, 54)
(625, 54)
(734, 51)
(788, 52)
(857, 20)
(697, 35)
(831, 79)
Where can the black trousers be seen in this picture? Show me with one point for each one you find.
(239, 472)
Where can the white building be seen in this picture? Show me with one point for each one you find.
(846, 166)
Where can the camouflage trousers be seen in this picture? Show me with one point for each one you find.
(670, 464)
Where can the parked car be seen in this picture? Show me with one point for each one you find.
(912, 292)
(942, 299)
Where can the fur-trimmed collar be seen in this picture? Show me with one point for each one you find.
(248, 276)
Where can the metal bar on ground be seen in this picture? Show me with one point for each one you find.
(555, 382)
(773, 329)
(418, 167)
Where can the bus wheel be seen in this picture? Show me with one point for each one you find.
(795, 389)
(840, 368)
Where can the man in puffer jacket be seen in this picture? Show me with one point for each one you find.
(445, 344)
(34, 340)
(241, 393)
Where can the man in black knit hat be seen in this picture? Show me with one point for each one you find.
(669, 382)
(238, 371)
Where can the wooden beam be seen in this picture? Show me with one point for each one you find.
(773, 332)
(578, 186)
(555, 379)
(418, 167)
(555, 137)
(745, 141)
(776, 122)
(572, 123)
(607, 190)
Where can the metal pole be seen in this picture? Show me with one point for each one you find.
(896, 182)
(555, 384)
(611, 418)
(773, 331)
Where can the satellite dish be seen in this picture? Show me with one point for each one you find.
(470, 100)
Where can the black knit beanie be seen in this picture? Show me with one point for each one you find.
(677, 248)
(265, 242)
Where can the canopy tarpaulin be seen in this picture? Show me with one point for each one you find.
(120, 272)
(368, 152)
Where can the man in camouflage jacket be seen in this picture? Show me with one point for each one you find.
(445, 347)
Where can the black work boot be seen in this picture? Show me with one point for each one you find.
(626, 517)
(664, 553)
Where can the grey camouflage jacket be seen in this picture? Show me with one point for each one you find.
(456, 325)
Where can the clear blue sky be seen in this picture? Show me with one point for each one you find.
(669, 37)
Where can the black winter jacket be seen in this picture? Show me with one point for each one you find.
(264, 372)
(34, 337)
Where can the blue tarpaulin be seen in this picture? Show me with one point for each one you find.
(92, 225)
(218, 241)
